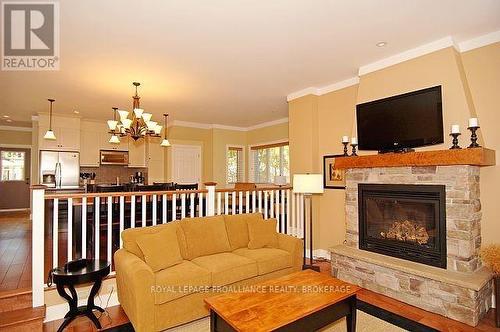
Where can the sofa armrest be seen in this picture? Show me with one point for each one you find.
(135, 280)
(294, 246)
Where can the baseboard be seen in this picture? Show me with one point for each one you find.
(319, 253)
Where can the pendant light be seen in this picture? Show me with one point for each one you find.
(50, 134)
(165, 143)
(112, 124)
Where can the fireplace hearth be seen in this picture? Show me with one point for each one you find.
(404, 221)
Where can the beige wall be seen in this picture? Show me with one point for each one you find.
(470, 81)
(15, 137)
(482, 69)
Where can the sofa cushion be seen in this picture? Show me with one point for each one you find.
(237, 228)
(268, 259)
(180, 280)
(262, 233)
(130, 236)
(160, 249)
(205, 236)
(227, 268)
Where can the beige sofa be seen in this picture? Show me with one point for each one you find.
(164, 272)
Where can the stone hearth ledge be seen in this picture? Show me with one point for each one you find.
(470, 280)
(463, 296)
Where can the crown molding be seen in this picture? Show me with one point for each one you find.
(413, 53)
(14, 128)
(179, 123)
(480, 41)
(323, 90)
(407, 55)
(267, 124)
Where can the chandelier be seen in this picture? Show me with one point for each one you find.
(139, 125)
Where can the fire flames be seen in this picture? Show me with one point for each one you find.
(406, 231)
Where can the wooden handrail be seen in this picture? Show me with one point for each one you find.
(224, 190)
(124, 194)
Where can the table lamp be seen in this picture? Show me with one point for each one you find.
(308, 184)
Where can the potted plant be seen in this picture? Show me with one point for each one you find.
(491, 257)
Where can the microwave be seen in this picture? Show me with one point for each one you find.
(113, 157)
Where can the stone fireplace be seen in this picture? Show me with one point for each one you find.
(413, 231)
(404, 220)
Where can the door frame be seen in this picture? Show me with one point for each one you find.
(198, 147)
(21, 146)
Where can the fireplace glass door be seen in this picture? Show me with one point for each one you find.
(404, 221)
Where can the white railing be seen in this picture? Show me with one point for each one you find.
(70, 226)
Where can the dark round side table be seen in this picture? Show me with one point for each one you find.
(94, 271)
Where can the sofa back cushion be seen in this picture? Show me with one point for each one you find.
(237, 228)
(161, 249)
(130, 236)
(205, 236)
(262, 234)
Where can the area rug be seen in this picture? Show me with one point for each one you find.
(364, 323)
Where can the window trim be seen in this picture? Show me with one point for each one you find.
(264, 145)
(243, 161)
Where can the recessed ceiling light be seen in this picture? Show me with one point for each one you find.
(8, 120)
(5, 116)
(381, 44)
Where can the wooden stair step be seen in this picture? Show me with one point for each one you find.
(15, 299)
(22, 319)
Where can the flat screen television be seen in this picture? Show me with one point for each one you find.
(402, 122)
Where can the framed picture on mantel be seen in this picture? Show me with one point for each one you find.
(333, 178)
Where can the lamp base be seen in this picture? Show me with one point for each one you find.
(310, 267)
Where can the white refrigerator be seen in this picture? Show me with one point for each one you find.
(60, 169)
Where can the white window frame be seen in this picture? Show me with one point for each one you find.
(251, 170)
(243, 161)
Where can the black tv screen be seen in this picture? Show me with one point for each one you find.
(401, 122)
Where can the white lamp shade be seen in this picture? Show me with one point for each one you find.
(126, 123)
(123, 114)
(49, 135)
(158, 129)
(165, 142)
(308, 183)
(114, 139)
(138, 112)
(146, 116)
(112, 124)
(280, 180)
(151, 125)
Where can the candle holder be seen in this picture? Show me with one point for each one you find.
(354, 149)
(455, 141)
(473, 137)
(345, 148)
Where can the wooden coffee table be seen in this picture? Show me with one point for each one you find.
(302, 301)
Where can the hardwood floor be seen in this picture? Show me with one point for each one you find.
(15, 251)
(118, 317)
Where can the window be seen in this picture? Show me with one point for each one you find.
(12, 165)
(235, 165)
(270, 161)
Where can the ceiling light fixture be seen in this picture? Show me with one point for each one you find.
(8, 120)
(5, 116)
(76, 112)
(138, 126)
(165, 143)
(381, 44)
(50, 134)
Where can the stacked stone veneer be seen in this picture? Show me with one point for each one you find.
(463, 240)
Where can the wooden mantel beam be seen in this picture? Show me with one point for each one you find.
(475, 157)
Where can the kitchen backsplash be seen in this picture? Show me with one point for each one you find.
(108, 173)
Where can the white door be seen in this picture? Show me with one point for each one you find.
(186, 164)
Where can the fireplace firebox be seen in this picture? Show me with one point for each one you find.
(404, 221)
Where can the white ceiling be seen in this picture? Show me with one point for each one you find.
(229, 62)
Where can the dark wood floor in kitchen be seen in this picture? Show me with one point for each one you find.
(15, 251)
